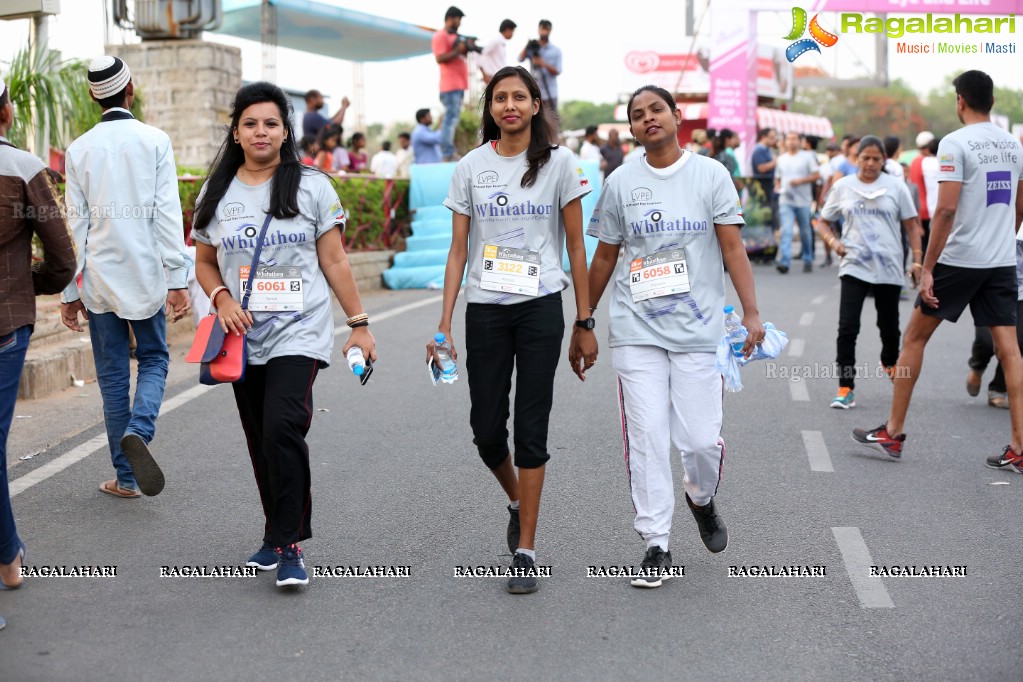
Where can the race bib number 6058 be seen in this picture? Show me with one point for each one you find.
(659, 274)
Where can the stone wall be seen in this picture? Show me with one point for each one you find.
(187, 88)
(368, 268)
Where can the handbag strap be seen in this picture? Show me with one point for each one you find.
(255, 262)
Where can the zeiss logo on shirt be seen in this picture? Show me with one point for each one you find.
(999, 187)
(654, 221)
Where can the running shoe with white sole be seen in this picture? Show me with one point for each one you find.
(712, 528)
(291, 568)
(265, 559)
(880, 440)
(845, 399)
(523, 580)
(1009, 460)
(655, 568)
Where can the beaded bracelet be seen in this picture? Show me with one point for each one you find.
(361, 317)
(364, 323)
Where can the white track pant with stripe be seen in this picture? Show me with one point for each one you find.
(668, 399)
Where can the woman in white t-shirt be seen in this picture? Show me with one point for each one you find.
(678, 218)
(289, 334)
(515, 201)
(875, 208)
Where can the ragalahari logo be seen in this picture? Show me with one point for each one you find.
(803, 45)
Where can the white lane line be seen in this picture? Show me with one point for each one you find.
(98, 443)
(799, 392)
(92, 445)
(796, 347)
(806, 319)
(395, 312)
(817, 300)
(817, 451)
(869, 589)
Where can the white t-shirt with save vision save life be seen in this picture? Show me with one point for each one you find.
(295, 319)
(654, 215)
(989, 163)
(516, 233)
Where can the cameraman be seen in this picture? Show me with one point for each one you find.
(454, 76)
(546, 63)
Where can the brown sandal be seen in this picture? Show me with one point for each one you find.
(111, 488)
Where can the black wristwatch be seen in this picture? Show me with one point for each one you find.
(589, 323)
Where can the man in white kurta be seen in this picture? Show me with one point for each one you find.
(124, 211)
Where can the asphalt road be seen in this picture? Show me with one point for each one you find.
(397, 482)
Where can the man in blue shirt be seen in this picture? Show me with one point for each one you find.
(425, 142)
(546, 65)
(313, 120)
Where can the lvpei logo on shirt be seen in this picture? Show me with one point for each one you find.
(818, 35)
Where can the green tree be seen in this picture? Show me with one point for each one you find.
(895, 110)
(577, 114)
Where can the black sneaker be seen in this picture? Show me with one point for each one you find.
(655, 566)
(712, 528)
(807, 267)
(147, 472)
(783, 269)
(522, 584)
(514, 529)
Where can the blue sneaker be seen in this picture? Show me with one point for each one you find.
(844, 400)
(265, 559)
(291, 568)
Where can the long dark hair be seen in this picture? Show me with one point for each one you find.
(541, 132)
(284, 190)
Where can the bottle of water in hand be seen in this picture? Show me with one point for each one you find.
(356, 361)
(735, 331)
(446, 365)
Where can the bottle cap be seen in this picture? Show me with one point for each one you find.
(358, 370)
(439, 338)
(729, 309)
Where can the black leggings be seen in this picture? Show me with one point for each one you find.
(275, 403)
(525, 336)
(984, 350)
(886, 301)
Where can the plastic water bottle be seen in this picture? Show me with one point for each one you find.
(356, 361)
(447, 366)
(735, 331)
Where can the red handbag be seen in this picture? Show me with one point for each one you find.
(223, 356)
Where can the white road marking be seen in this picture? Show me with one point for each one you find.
(817, 300)
(799, 392)
(806, 319)
(93, 445)
(869, 589)
(817, 451)
(796, 347)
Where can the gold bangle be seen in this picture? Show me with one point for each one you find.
(355, 319)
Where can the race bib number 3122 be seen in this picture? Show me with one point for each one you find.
(515, 271)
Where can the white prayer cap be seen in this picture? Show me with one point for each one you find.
(107, 76)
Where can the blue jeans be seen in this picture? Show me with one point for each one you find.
(12, 359)
(452, 101)
(113, 371)
(787, 215)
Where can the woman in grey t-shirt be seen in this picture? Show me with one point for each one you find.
(677, 218)
(515, 201)
(289, 325)
(875, 208)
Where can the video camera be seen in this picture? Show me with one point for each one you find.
(533, 48)
(469, 41)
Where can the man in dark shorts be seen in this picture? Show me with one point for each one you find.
(970, 260)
